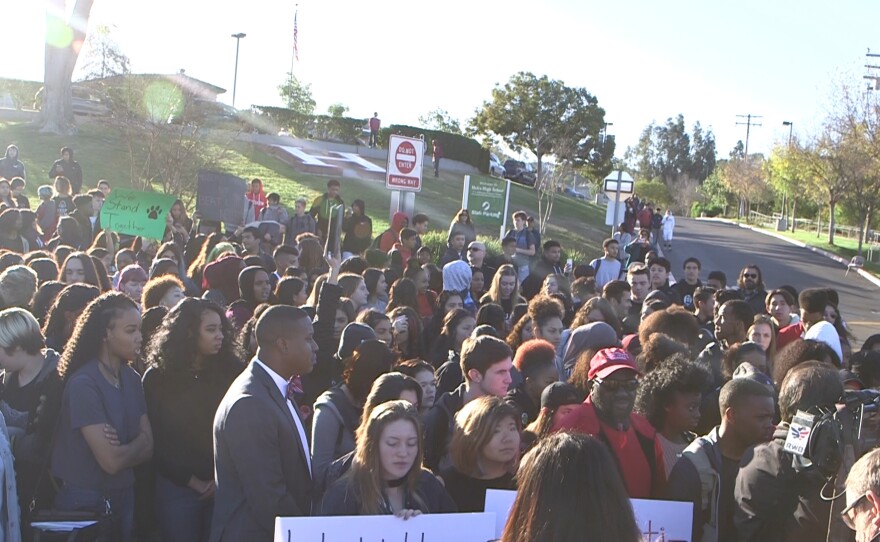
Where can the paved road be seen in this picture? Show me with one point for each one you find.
(728, 248)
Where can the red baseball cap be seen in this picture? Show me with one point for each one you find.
(610, 360)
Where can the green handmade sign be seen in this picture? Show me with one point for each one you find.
(136, 213)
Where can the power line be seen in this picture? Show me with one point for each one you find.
(748, 124)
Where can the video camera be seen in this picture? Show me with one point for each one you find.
(832, 429)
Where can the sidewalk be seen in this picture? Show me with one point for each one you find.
(842, 261)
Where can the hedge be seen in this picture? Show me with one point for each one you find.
(455, 146)
(322, 127)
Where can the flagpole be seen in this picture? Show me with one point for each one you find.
(293, 56)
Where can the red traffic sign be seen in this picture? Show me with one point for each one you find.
(405, 157)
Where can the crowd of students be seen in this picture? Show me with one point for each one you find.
(198, 386)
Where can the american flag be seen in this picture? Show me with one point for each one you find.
(295, 36)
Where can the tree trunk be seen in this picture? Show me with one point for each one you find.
(869, 219)
(793, 215)
(831, 205)
(56, 115)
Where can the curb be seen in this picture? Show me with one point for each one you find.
(834, 257)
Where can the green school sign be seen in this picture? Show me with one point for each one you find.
(486, 200)
(136, 213)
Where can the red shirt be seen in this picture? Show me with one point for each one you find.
(634, 467)
(788, 335)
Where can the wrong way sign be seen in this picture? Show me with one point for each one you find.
(405, 157)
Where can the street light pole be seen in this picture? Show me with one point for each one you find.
(235, 78)
(784, 194)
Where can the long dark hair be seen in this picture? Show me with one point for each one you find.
(173, 347)
(91, 328)
(72, 298)
(570, 490)
(198, 265)
(91, 275)
(403, 293)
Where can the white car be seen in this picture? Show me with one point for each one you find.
(496, 168)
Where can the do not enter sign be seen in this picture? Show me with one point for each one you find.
(405, 157)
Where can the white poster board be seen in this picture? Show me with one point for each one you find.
(669, 521)
(424, 528)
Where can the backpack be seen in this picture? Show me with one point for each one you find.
(597, 263)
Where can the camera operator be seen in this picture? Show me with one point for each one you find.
(775, 500)
(862, 512)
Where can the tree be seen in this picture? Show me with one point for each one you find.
(337, 110)
(746, 178)
(164, 154)
(65, 36)
(786, 178)
(669, 154)
(654, 191)
(104, 57)
(297, 95)
(543, 116)
(822, 163)
(440, 120)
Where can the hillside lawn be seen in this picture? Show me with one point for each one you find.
(578, 225)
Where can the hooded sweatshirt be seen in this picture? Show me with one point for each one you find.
(392, 235)
(11, 167)
(595, 335)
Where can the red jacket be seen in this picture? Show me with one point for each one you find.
(640, 483)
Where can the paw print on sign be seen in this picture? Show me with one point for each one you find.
(153, 212)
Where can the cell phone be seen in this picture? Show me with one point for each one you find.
(569, 262)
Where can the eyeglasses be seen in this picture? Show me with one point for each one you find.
(750, 275)
(849, 520)
(617, 385)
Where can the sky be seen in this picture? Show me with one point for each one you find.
(645, 61)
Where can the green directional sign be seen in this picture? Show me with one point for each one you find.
(486, 200)
(136, 213)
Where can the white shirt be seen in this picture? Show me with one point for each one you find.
(282, 387)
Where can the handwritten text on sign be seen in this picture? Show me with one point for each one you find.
(659, 521)
(136, 213)
(424, 528)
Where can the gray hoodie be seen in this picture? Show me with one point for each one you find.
(11, 167)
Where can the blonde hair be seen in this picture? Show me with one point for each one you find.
(18, 284)
(19, 328)
(475, 425)
(365, 476)
(494, 294)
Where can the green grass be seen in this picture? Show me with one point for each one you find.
(578, 225)
(843, 247)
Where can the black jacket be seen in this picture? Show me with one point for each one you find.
(439, 427)
(328, 370)
(527, 408)
(71, 170)
(775, 502)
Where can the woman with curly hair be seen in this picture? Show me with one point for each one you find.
(104, 430)
(165, 291)
(64, 311)
(191, 363)
(669, 397)
(523, 331)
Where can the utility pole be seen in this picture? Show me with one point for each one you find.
(748, 124)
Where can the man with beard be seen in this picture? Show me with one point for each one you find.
(607, 414)
(751, 284)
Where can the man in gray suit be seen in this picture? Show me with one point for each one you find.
(261, 456)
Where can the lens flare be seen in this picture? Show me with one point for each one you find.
(162, 100)
(58, 33)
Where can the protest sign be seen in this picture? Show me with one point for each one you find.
(220, 197)
(423, 528)
(136, 213)
(667, 521)
(334, 236)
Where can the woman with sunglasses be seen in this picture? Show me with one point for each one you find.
(607, 414)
